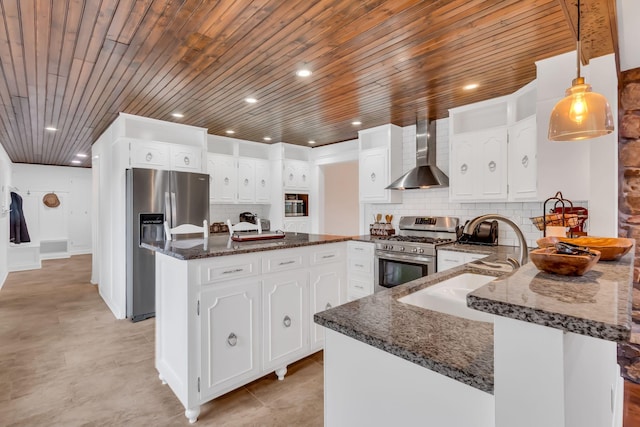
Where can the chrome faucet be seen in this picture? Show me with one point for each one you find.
(524, 250)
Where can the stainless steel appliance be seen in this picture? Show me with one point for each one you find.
(153, 196)
(412, 253)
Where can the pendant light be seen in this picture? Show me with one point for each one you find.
(582, 114)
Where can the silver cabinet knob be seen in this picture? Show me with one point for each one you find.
(186, 160)
(226, 181)
(232, 339)
(304, 178)
(328, 306)
(286, 321)
(290, 177)
(148, 157)
(246, 182)
(492, 166)
(525, 161)
(373, 177)
(464, 168)
(263, 183)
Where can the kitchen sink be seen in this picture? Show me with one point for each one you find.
(450, 296)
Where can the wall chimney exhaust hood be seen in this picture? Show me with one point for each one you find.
(426, 174)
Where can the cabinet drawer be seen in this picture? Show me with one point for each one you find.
(283, 262)
(327, 255)
(360, 249)
(360, 285)
(360, 265)
(229, 269)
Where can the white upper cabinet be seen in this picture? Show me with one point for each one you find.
(523, 171)
(380, 163)
(238, 180)
(246, 181)
(296, 175)
(478, 165)
(223, 185)
(149, 154)
(186, 158)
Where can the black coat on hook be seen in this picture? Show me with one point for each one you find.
(18, 232)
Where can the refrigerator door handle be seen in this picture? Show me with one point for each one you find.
(167, 209)
(174, 215)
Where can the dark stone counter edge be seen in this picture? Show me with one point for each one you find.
(240, 251)
(481, 383)
(581, 326)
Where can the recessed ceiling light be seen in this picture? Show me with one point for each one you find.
(76, 161)
(303, 72)
(267, 138)
(470, 86)
(312, 142)
(81, 155)
(356, 123)
(251, 100)
(230, 132)
(177, 115)
(51, 128)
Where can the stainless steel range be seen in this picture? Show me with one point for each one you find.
(412, 253)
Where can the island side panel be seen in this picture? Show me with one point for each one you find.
(367, 386)
(172, 326)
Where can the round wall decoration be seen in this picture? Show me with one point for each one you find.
(51, 200)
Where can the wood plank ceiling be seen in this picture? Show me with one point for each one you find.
(73, 65)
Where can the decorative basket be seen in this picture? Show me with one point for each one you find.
(556, 220)
(380, 229)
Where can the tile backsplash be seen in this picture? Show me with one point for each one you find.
(436, 201)
(222, 212)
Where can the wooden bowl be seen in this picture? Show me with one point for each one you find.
(610, 248)
(547, 259)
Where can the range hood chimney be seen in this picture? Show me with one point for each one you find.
(426, 174)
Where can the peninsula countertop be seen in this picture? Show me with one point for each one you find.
(222, 245)
(597, 304)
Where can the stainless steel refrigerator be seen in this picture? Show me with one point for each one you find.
(152, 196)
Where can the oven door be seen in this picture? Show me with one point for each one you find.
(393, 269)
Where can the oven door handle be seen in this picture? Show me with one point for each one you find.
(418, 259)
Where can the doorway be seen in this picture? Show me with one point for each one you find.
(340, 211)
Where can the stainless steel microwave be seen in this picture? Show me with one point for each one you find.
(294, 208)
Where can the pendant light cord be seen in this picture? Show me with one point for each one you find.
(579, 44)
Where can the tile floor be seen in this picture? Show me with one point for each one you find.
(66, 361)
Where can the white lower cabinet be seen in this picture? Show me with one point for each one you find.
(285, 320)
(230, 338)
(225, 321)
(449, 259)
(327, 289)
(360, 269)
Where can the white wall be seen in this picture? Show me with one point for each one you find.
(5, 201)
(436, 201)
(341, 209)
(72, 219)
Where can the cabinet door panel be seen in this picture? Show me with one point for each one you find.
(150, 155)
(230, 341)
(223, 173)
(463, 168)
(185, 158)
(373, 175)
(285, 318)
(522, 160)
(493, 167)
(327, 290)
(263, 181)
(246, 181)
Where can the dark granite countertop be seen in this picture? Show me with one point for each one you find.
(222, 245)
(597, 304)
(453, 346)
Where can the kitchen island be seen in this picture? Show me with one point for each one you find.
(549, 358)
(230, 312)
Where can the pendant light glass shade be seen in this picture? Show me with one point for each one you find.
(582, 114)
